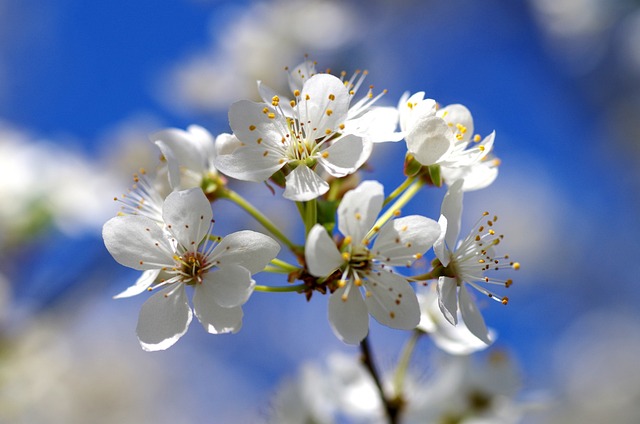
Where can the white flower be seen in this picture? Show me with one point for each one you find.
(273, 140)
(387, 295)
(220, 273)
(191, 154)
(467, 263)
(445, 137)
(453, 339)
(375, 124)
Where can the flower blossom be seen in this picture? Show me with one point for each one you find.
(191, 154)
(467, 262)
(317, 130)
(445, 137)
(387, 295)
(220, 272)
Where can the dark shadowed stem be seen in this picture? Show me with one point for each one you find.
(392, 406)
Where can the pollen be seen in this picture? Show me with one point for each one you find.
(327, 131)
(342, 283)
(271, 115)
(296, 93)
(329, 112)
(516, 265)
(252, 127)
(346, 256)
(325, 154)
(358, 282)
(477, 138)
(332, 97)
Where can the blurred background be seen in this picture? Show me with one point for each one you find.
(82, 84)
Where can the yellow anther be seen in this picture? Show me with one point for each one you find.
(367, 293)
(259, 140)
(296, 93)
(459, 136)
(477, 138)
(410, 105)
(482, 148)
(307, 97)
(271, 115)
(346, 256)
(404, 228)
(252, 127)
(265, 110)
(329, 112)
(358, 216)
(508, 283)
(292, 103)
(275, 100)
(341, 126)
(392, 314)
(327, 131)
(342, 283)
(418, 256)
(397, 212)
(325, 154)
(505, 300)
(332, 97)
(344, 297)
(480, 261)
(516, 265)
(347, 240)
(358, 282)
(492, 232)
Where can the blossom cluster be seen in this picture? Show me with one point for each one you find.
(310, 146)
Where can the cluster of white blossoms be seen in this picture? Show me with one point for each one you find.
(358, 248)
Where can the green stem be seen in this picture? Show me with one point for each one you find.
(280, 289)
(285, 266)
(403, 364)
(309, 213)
(395, 193)
(391, 406)
(255, 213)
(402, 201)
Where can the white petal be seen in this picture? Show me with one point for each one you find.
(430, 140)
(137, 242)
(304, 184)
(475, 177)
(403, 240)
(229, 286)
(226, 144)
(187, 147)
(249, 163)
(164, 318)
(359, 209)
(325, 92)
(300, 74)
(343, 156)
(214, 318)
(420, 107)
(439, 246)
(173, 166)
(452, 209)
(348, 315)
(249, 249)
(249, 123)
(321, 254)
(472, 316)
(392, 301)
(377, 125)
(188, 215)
(142, 284)
(448, 298)
(458, 114)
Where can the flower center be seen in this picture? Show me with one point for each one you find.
(192, 266)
